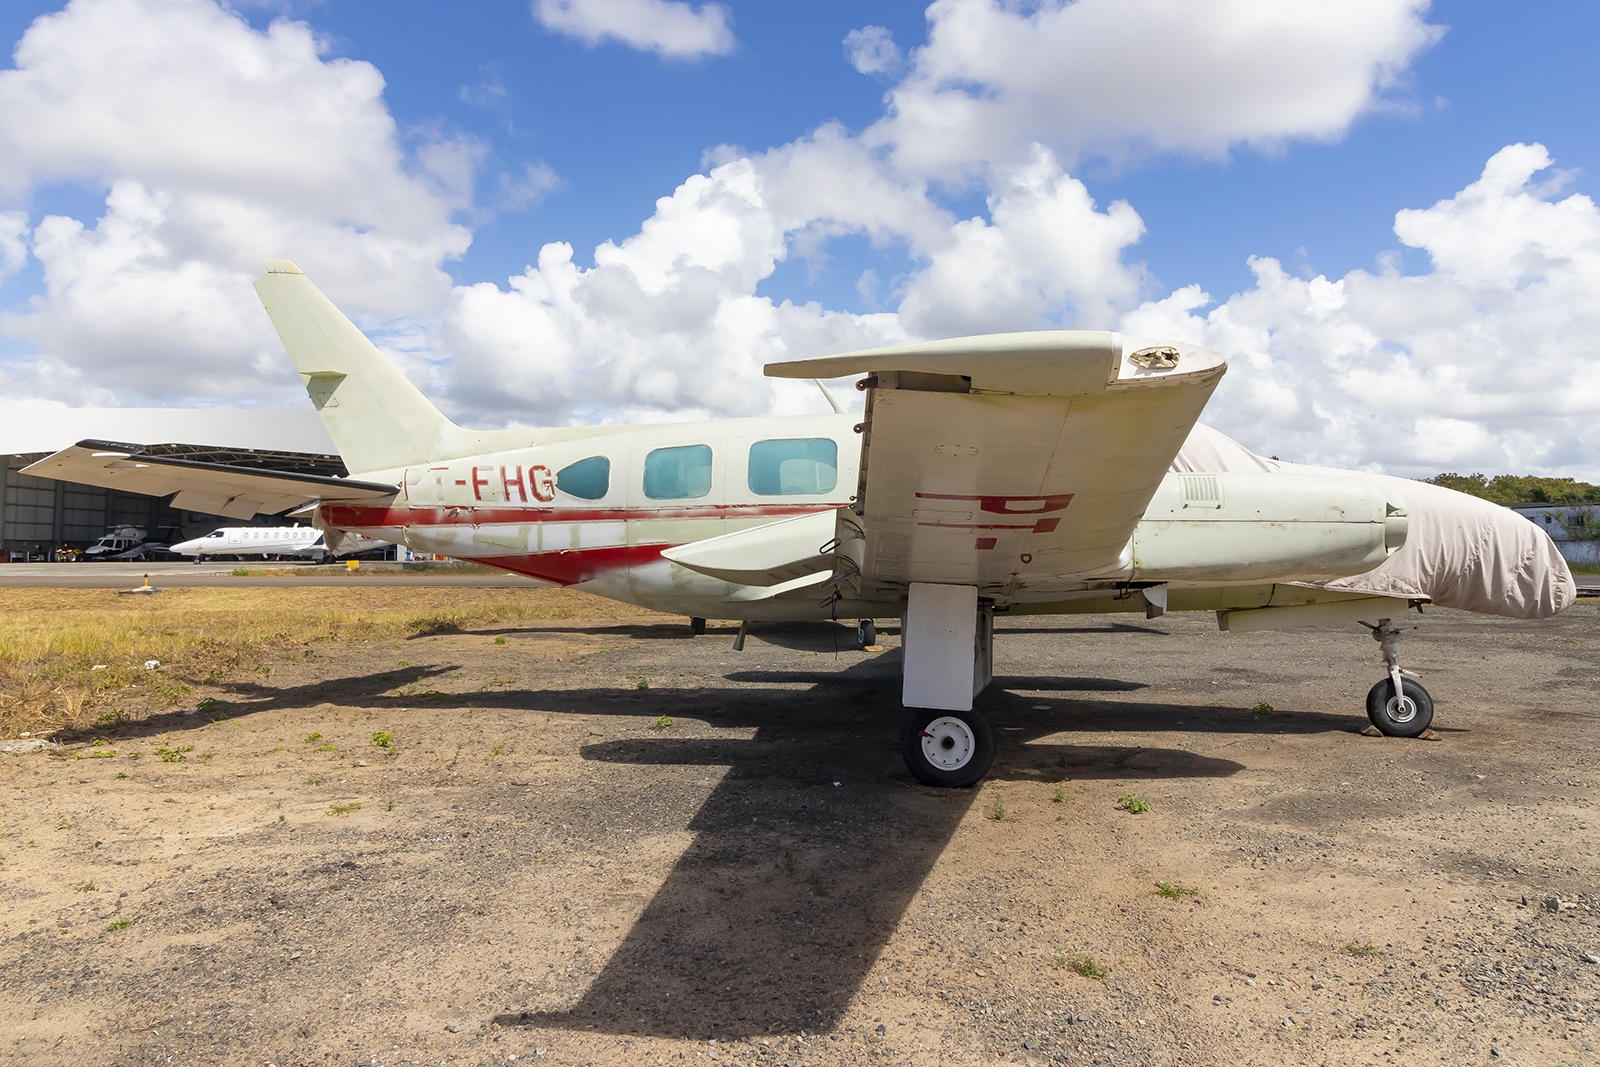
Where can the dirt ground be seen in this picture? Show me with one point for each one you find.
(610, 842)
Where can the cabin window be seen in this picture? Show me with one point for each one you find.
(794, 467)
(587, 479)
(215, 533)
(677, 473)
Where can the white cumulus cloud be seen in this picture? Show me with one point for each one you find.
(872, 50)
(13, 242)
(1121, 77)
(673, 28)
(219, 146)
(1479, 364)
(666, 324)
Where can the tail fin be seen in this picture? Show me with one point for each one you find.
(377, 419)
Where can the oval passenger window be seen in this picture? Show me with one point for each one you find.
(587, 479)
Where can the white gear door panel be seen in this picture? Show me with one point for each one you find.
(937, 642)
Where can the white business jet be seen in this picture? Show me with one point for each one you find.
(1030, 473)
(269, 541)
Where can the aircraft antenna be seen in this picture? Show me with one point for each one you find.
(833, 401)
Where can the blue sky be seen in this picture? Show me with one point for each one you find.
(599, 130)
(623, 127)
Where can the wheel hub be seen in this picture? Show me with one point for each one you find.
(948, 743)
(1401, 709)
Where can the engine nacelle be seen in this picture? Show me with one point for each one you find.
(1247, 527)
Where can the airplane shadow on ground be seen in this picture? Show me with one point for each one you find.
(807, 855)
(814, 846)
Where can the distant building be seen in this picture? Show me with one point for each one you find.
(42, 516)
(1575, 528)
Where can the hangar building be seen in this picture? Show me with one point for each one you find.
(41, 516)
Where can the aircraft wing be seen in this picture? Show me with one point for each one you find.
(1013, 461)
(216, 488)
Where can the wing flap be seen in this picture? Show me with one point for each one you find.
(216, 488)
(769, 555)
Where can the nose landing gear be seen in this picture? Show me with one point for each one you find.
(866, 633)
(1397, 705)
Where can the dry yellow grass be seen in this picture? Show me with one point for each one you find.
(52, 640)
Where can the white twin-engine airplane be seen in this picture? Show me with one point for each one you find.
(269, 541)
(1029, 473)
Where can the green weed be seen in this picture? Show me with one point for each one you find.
(174, 755)
(1264, 708)
(663, 721)
(1059, 796)
(326, 748)
(122, 923)
(1136, 805)
(383, 739)
(998, 812)
(1085, 966)
(1175, 890)
(86, 887)
(345, 809)
(1359, 948)
(499, 640)
(312, 739)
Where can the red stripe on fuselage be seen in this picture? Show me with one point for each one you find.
(359, 515)
(565, 567)
(579, 565)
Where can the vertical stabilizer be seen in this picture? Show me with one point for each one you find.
(378, 420)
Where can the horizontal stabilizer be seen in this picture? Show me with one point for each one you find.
(766, 555)
(215, 488)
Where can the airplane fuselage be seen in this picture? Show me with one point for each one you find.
(597, 510)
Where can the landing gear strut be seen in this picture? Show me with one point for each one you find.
(1397, 705)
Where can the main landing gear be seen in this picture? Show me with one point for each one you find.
(947, 642)
(947, 748)
(1397, 705)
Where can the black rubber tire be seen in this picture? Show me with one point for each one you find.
(1379, 698)
(969, 773)
(697, 626)
(866, 633)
